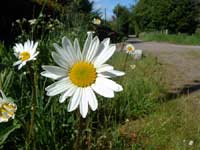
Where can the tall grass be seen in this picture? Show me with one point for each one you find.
(172, 38)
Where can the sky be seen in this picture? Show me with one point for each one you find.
(109, 6)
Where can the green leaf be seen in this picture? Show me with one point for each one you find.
(7, 131)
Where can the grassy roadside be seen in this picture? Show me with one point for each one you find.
(175, 125)
(171, 38)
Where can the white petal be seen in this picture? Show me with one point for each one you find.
(75, 100)
(92, 99)
(50, 75)
(35, 46)
(67, 45)
(105, 55)
(2, 119)
(67, 94)
(21, 65)
(111, 73)
(104, 45)
(59, 60)
(32, 48)
(17, 63)
(56, 70)
(34, 55)
(101, 89)
(58, 87)
(104, 67)
(92, 49)
(84, 103)
(77, 49)
(110, 84)
(63, 53)
(87, 44)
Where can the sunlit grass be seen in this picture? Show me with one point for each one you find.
(172, 126)
(172, 38)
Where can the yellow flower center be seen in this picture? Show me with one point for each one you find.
(130, 48)
(7, 108)
(24, 55)
(83, 74)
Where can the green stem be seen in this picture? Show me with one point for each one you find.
(77, 144)
(33, 107)
(126, 58)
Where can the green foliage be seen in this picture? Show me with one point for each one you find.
(172, 38)
(176, 16)
(5, 132)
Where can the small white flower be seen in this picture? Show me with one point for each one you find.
(133, 66)
(81, 73)
(7, 108)
(32, 21)
(25, 53)
(18, 21)
(127, 120)
(191, 143)
(96, 21)
(129, 48)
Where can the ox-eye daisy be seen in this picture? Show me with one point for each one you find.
(80, 74)
(96, 21)
(7, 108)
(25, 53)
(129, 48)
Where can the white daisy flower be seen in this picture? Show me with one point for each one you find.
(96, 21)
(80, 74)
(25, 53)
(7, 108)
(137, 53)
(129, 48)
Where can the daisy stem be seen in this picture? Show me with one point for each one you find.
(77, 144)
(125, 61)
(33, 106)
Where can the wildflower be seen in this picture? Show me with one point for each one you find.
(130, 48)
(7, 108)
(191, 143)
(80, 74)
(127, 120)
(96, 21)
(32, 21)
(133, 66)
(25, 53)
(18, 21)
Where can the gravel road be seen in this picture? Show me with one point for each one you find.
(182, 61)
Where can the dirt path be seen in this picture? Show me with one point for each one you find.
(182, 62)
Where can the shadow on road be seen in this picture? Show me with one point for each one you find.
(185, 90)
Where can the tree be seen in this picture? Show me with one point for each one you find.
(122, 19)
(174, 15)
